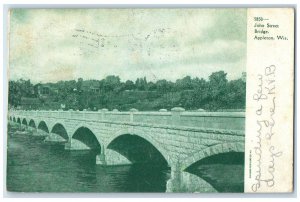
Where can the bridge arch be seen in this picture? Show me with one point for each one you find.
(85, 138)
(32, 123)
(213, 150)
(24, 121)
(60, 130)
(141, 136)
(18, 120)
(43, 126)
(14, 119)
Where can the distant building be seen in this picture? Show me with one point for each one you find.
(94, 89)
(42, 90)
(90, 86)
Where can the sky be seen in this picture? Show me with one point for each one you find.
(49, 45)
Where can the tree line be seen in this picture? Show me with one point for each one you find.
(216, 93)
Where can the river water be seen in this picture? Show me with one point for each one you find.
(36, 166)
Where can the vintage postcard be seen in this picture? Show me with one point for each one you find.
(150, 100)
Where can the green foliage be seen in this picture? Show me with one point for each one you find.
(19, 89)
(190, 93)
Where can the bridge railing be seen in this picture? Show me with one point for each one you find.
(164, 118)
(177, 116)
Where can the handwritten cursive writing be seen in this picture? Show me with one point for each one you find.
(265, 153)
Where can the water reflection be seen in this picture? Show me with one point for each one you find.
(37, 166)
(225, 172)
(34, 165)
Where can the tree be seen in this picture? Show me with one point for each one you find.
(191, 93)
(236, 94)
(111, 82)
(152, 86)
(18, 89)
(184, 84)
(217, 83)
(217, 89)
(201, 93)
(141, 84)
(129, 85)
(79, 84)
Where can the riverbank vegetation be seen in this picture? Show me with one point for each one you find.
(215, 93)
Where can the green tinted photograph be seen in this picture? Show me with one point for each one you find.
(126, 100)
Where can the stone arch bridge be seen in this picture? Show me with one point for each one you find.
(177, 138)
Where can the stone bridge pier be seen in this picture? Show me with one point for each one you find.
(177, 139)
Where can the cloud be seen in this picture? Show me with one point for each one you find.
(53, 44)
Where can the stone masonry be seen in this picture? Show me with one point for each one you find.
(182, 137)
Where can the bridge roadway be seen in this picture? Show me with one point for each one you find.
(177, 138)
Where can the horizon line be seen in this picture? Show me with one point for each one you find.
(121, 80)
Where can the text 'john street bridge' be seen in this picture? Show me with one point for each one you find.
(177, 138)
